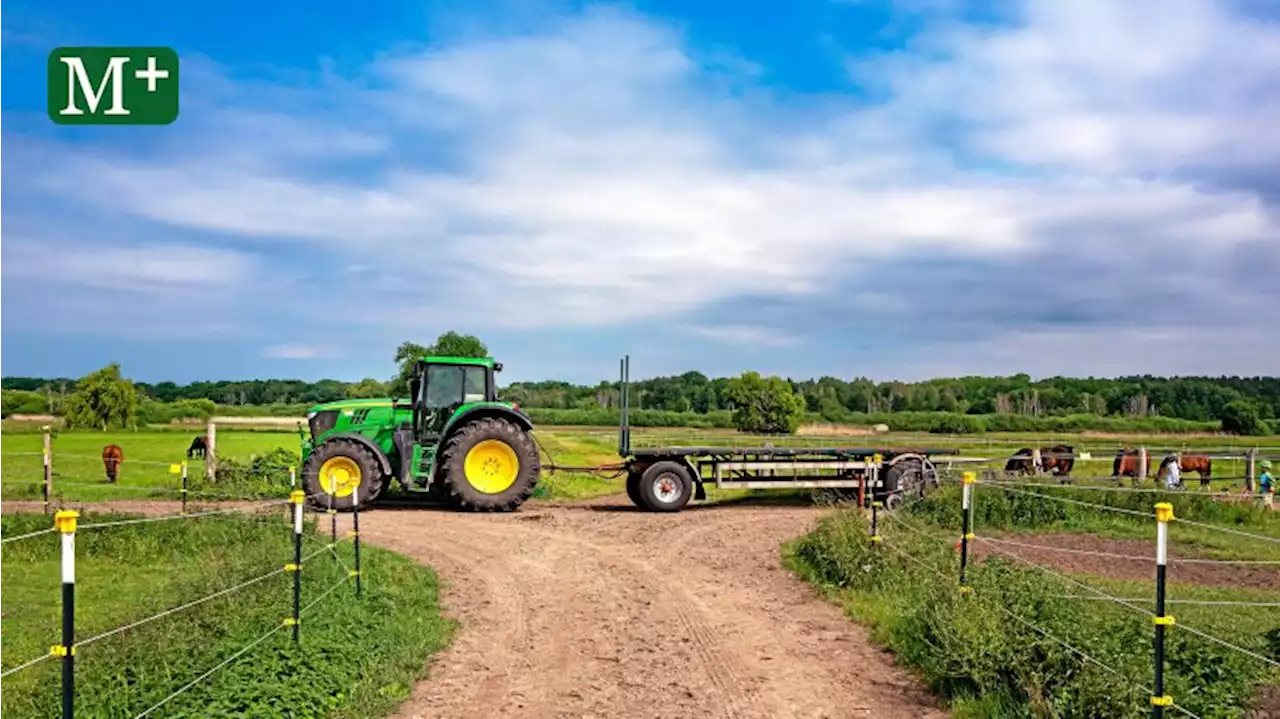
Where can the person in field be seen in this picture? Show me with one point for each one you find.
(1172, 472)
(1266, 483)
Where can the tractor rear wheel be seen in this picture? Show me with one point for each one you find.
(342, 471)
(491, 465)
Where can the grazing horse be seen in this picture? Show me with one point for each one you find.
(197, 448)
(1020, 462)
(1058, 460)
(112, 456)
(1126, 464)
(1200, 464)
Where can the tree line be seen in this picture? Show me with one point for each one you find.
(961, 404)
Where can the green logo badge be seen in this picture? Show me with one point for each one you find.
(113, 85)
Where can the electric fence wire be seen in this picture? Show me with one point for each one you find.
(243, 650)
(26, 665)
(1120, 510)
(1194, 602)
(1129, 603)
(28, 535)
(1098, 488)
(169, 517)
(1132, 687)
(1131, 557)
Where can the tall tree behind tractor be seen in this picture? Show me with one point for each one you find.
(451, 438)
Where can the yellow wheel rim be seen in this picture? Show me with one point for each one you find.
(339, 476)
(491, 466)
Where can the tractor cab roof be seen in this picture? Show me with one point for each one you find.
(474, 361)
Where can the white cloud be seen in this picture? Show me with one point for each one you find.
(744, 335)
(297, 352)
(596, 172)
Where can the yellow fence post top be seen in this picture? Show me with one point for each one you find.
(877, 458)
(175, 468)
(969, 477)
(1164, 512)
(292, 468)
(297, 496)
(64, 520)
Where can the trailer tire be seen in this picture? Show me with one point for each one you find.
(665, 487)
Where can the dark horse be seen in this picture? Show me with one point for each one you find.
(112, 456)
(1126, 464)
(1057, 460)
(197, 448)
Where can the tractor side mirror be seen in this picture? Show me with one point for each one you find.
(497, 366)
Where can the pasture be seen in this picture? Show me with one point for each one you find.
(1060, 585)
(1055, 565)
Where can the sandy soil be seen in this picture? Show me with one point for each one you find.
(599, 610)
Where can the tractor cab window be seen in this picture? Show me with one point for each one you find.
(450, 385)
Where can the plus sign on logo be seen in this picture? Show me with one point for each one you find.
(113, 85)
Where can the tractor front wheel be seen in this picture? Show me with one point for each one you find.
(491, 465)
(342, 472)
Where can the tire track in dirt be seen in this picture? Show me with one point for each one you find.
(752, 665)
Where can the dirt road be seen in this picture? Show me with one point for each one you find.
(599, 610)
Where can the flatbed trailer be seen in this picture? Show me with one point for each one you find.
(665, 478)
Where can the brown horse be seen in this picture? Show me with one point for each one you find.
(112, 456)
(1199, 463)
(1058, 460)
(1126, 464)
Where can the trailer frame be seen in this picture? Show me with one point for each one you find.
(883, 474)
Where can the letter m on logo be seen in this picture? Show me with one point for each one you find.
(113, 85)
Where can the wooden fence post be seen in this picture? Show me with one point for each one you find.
(1140, 471)
(1250, 469)
(210, 452)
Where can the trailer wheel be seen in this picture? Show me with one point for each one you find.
(906, 477)
(665, 487)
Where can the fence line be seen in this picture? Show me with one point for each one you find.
(1031, 625)
(1163, 514)
(65, 523)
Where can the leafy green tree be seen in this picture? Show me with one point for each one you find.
(367, 387)
(453, 344)
(764, 405)
(102, 400)
(449, 344)
(1241, 417)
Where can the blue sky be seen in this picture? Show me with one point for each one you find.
(895, 189)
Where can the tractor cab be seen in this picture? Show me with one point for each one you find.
(441, 386)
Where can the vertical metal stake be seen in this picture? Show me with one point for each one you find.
(875, 525)
(297, 496)
(65, 522)
(333, 513)
(966, 503)
(184, 487)
(355, 537)
(47, 490)
(1160, 700)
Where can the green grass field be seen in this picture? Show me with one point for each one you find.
(1003, 653)
(150, 456)
(358, 657)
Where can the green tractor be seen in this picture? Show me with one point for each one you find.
(452, 438)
